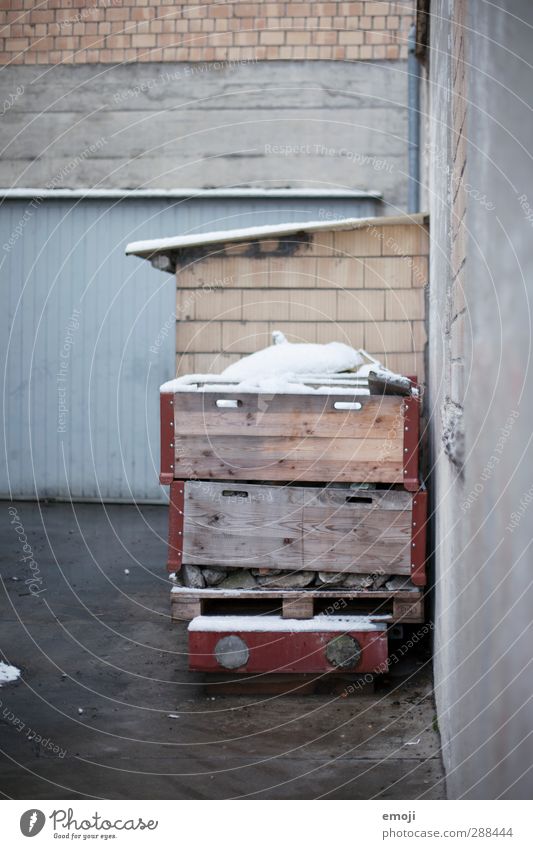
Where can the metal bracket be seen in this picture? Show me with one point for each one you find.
(176, 509)
(418, 538)
(411, 433)
(166, 475)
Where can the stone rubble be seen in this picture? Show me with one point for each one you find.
(199, 577)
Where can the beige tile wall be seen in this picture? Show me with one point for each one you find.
(364, 287)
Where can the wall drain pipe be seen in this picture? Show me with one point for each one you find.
(413, 113)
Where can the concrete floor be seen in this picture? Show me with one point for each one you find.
(103, 669)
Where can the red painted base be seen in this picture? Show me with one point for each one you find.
(285, 652)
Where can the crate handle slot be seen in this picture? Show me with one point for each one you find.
(358, 499)
(347, 405)
(234, 493)
(229, 402)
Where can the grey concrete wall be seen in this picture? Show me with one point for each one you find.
(481, 412)
(319, 124)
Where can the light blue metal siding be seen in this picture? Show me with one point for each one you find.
(58, 256)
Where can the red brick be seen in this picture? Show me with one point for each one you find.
(140, 14)
(246, 38)
(272, 38)
(377, 8)
(17, 43)
(324, 37)
(353, 52)
(350, 38)
(351, 8)
(145, 40)
(246, 10)
(299, 38)
(117, 14)
(219, 12)
(121, 41)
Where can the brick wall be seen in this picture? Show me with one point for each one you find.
(111, 31)
(363, 287)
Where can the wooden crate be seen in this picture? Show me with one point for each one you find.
(251, 526)
(299, 438)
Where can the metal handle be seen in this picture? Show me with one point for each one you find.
(347, 405)
(229, 403)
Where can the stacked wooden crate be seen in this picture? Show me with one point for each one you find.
(315, 498)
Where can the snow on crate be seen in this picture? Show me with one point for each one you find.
(295, 358)
(8, 673)
(323, 623)
(289, 368)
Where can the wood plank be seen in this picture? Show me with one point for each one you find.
(281, 415)
(298, 608)
(260, 593)
(275, 527)
(364, 499)
(246, 526)
(344, 533)
(184, 608)
(288, 459)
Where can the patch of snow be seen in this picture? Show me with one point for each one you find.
(294, 358)
(243, 233)
(8, 673)
(287, 385)
(321, 623)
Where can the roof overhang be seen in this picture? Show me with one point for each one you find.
(162, 253)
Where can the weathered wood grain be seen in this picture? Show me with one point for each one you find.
(248, 526)
(363, 532)
(287, 527)
(289, 459)
(276, 438)
(279, 415)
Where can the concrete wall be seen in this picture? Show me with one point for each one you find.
(364, 287)
(481, 268)
(168, 125)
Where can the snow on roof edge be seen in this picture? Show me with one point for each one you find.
(151, 247)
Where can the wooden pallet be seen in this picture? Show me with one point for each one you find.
(396, 606)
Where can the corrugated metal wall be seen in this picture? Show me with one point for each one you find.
(87, 336)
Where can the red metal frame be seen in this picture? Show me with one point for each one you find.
(287, 652)
(411, 435)
(166, 475)
(418, 538)
(175, 526)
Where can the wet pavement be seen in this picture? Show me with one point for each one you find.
(106, 708)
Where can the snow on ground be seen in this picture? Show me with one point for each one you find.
(8, 673)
